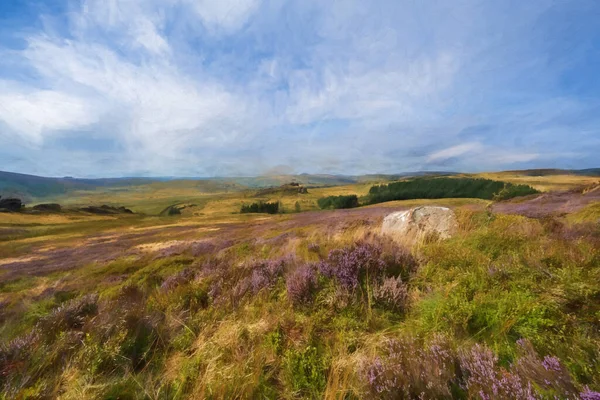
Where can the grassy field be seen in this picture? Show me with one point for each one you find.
(217, 304)
(544, 183)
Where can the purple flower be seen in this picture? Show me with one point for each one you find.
(392, 293)
(587, 394)
(349, 265)
(302, 283)
(551, 364)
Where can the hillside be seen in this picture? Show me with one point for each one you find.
(37, 188)
(208, 302)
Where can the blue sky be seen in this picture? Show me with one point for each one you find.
(109, 88)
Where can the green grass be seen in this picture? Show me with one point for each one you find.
(210, 334)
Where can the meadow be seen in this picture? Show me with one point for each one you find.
(306, 303)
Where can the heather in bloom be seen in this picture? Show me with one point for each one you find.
(489, 382)
(302, 283)
(410, 371)
(587, 394)
(352, 264)
(391, 293)
(548, 373)
(263, 276)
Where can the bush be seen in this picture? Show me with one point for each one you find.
(409, 371)
(335, 202)
(306, 371)
(260, 207)
(263, 275)
(302, 283)
(349, 266)
(392, 293)
(70, 315)
(440, 188)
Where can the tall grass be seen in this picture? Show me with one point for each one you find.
(506, 309)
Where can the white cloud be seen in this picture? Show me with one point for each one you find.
(454, 151)
(166, 112)
(35, 113)
(229, 86)
(225, 15)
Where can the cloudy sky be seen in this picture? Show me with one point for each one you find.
(95, 88)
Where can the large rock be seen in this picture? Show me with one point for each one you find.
(420, 223)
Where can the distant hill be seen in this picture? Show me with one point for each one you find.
(31, 186)
(549, 171)
(28, 187)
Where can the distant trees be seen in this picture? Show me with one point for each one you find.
(10, 204)
(438, 188)
(334, 202)
(261, 207)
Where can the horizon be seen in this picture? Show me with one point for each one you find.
(403, 173)
(249, 88)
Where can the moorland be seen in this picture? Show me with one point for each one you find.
(283, 287)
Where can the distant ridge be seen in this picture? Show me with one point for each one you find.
(551, 171)
(28, 187)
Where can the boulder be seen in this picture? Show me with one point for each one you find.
(420, 223)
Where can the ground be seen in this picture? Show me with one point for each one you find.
(214, 303)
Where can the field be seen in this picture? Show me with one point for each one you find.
(308, 303)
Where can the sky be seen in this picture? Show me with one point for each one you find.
(109, 88)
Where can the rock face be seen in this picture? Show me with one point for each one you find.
(411, 226)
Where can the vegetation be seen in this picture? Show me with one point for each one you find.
(334, 202)
(313, 305)
(439, 188)
(260, 207)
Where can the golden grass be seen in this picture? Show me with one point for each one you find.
(543, 183)
(49, 219)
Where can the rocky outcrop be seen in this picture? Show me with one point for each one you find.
(420, 223)
(10, 205)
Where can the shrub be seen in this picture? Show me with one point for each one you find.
(335, 202)
(483, 378)
(306, 371)
(70, 315)
(260, 207)
(301, 284)
(548, 373)
(587, 394)
(408, 371)
(349, 266)
(263, 275)
(177, 279)
(15, 353)
(392, 293)
(439, 188)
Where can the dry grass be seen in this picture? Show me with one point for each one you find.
(544, 183)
